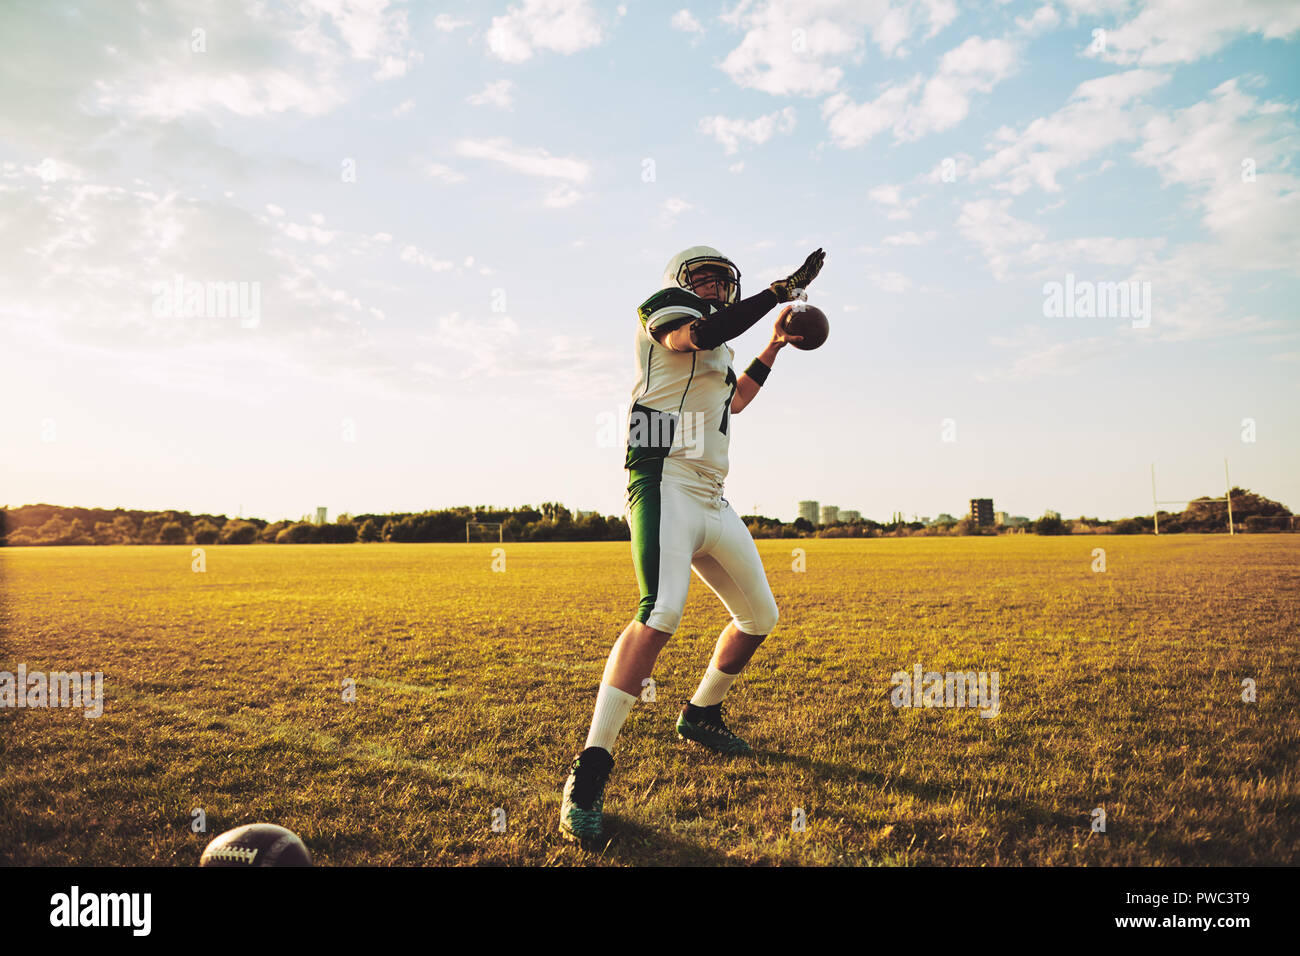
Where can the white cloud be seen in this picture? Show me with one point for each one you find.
(1204, 148)
(528, 161)
(53, 170)
(415, 256)
(495, 348)
(270, 91)
(481, 345)
(891, 196)
(1099, 114)
(302, 233)
(562, 195)
(1163, 32)
(1041, 357)
(498, 93)
(391, 67)
(89, 258)
(731, 132)
(802, 46)
(989, 224)
(976, 66)
(561, 26)
(670, 209)
(1012, 243)
(911, 108)
(448, 24)
(1043, 19)
(853, 124)
(909, 238)
(890, 281)
(443, 173)
(1064, 255)
(535, 161)
(955, 168)
(1194, 289)
(258, 60)
(685, 21)
(774, 58)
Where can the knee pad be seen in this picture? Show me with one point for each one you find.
(762, 622)
(664, 621)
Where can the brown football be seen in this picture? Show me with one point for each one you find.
(808, 321)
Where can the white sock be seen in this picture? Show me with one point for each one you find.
(612, 708)
(713, 688)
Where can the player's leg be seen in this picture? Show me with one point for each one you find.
(734, 572)
(666, 529)
(730, 655)
(632, 658)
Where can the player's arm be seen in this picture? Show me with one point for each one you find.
(751, 380)
(664, 331)
(710, 331)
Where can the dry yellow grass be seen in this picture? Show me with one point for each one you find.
(1119, 689)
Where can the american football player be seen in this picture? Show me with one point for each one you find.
(678, 432)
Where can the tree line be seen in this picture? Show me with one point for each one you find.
(58, 525)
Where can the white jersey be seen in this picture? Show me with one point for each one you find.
(681, 403)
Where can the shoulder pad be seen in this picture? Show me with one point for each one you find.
(669, 302)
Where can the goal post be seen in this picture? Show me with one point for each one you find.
(1155, 504)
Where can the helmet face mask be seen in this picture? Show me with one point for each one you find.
(706, 269)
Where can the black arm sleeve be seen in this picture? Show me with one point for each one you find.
(725, 324)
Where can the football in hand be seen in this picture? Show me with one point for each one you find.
(808, 321)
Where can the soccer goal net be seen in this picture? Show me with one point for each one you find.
(476, 530)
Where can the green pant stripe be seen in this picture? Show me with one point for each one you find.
(643, 518)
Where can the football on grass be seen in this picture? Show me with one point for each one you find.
(257, 844)
(808, 321)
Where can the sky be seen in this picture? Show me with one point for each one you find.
(437, 221)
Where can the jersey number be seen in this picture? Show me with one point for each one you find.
(726, 409)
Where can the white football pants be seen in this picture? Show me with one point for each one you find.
(680, 522)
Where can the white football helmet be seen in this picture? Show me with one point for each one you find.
(680, 270)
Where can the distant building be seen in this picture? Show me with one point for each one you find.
(981, 512)
(830, 514)
(320, 515)
(808, 511)
(926, 520)
(999, 518)
(849, 514)
(1016, 521)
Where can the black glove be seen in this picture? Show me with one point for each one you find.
(799, 279)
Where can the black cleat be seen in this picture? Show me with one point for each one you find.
(705, 726)
(582, 810)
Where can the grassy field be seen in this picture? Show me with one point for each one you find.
(1119, 689)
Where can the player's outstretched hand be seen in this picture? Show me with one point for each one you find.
(789, 288)
(780, 337)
